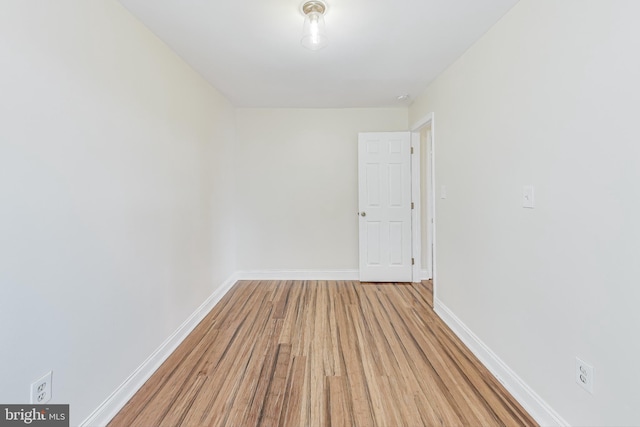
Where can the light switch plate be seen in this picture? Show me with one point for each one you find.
(528, 197)
(443, 191)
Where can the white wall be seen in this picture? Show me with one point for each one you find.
(115, 197)
(548, 97)
(298, 185)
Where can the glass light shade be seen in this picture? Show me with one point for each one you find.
(314, 34)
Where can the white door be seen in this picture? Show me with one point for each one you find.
(384, 181)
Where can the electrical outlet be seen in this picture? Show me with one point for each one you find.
(584, 375)
(41, 390)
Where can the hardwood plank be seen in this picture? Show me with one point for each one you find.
(369, 371)
(415, 366)
(274, 401)
(352, 361)
(339, 411)
(323, 353)
(228, 364)
(264, 381)
(176, 413)
(291, 409)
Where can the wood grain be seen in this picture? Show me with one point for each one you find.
(322, 353)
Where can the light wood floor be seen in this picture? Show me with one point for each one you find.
(322, 353)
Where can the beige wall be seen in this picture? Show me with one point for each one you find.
(115, 197)
(298, 186)
(547, 97)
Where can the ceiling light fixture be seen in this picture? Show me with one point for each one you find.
(314, 35)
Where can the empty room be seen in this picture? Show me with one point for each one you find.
(319, 213)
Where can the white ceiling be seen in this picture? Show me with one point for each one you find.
(378, 49)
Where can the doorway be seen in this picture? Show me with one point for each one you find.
(423, 177)
(411, 257)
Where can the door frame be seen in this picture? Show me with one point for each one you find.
(416, 185)
(416, 223)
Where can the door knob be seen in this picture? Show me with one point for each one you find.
(363, 214)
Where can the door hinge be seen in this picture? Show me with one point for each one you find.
(413, 261)
(412, 206)
(411, 150)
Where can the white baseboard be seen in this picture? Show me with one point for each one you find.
(532, 403)
(299, 275)
(114, 403)
(424, 275)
